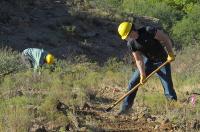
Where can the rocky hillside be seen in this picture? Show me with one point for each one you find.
(72, 29)
(75, 96)
(58, 26)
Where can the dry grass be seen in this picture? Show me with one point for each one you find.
(26, 96)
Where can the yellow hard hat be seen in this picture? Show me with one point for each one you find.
(49, 58)
(124, 29)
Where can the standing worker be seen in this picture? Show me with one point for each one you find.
(146, 47)
(35, 58)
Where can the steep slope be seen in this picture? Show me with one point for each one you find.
(57, 27)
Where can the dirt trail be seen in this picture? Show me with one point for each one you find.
(91, 116)
(94, 117)
(49, 24)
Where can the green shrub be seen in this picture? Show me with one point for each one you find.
(160, 10)
(108, 4)
(71, 84)
(186, 31)
(10, 61)
(14, 114)
(184, 5)
(152, 100)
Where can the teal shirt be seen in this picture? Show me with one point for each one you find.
(36, 56)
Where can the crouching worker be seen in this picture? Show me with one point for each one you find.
(35, 58)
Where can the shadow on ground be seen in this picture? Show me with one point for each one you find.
(53, 26)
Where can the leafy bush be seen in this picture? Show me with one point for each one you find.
(107, 4)
(186, 31)
(184, 5)
(160, 10)
(71, 84)
(14, 116)
(10, 61)
(153, 8)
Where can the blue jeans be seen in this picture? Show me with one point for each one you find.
(165, 77)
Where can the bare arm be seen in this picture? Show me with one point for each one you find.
(164, 38)
(139, 62)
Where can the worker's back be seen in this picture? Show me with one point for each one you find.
(36, 56)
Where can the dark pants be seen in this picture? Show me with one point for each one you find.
(165, 77)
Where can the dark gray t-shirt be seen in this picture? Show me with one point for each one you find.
(148, 45)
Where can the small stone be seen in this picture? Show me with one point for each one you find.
(41, 129)
(86, 106)
(175, 126)
(141, 115)
(166, 120)
(159, 119)
(147, 115)
(83, 129)
(195, 124)
(149, 120)
(19, 93)
(153, 118)
(134, 118)
(156, 127)
(166, 127)
(69, 127)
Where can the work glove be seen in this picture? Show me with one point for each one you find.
(170, 57)
(142, 79)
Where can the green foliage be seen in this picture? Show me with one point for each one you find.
(32, 95)
(69, 30)
(25, 96)
(153, 101)
(186, 31)
(105, 4)
(10, 61)
(160, 10)
(153, 8)
(176, 16)
(14, 114)
(184, 5)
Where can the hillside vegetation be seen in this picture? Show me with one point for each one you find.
(93, 66)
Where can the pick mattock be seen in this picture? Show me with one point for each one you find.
(136, 87)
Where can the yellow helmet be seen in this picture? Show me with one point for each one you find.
(49, 58)
(124, 29)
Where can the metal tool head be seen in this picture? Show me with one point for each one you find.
(108, 109)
